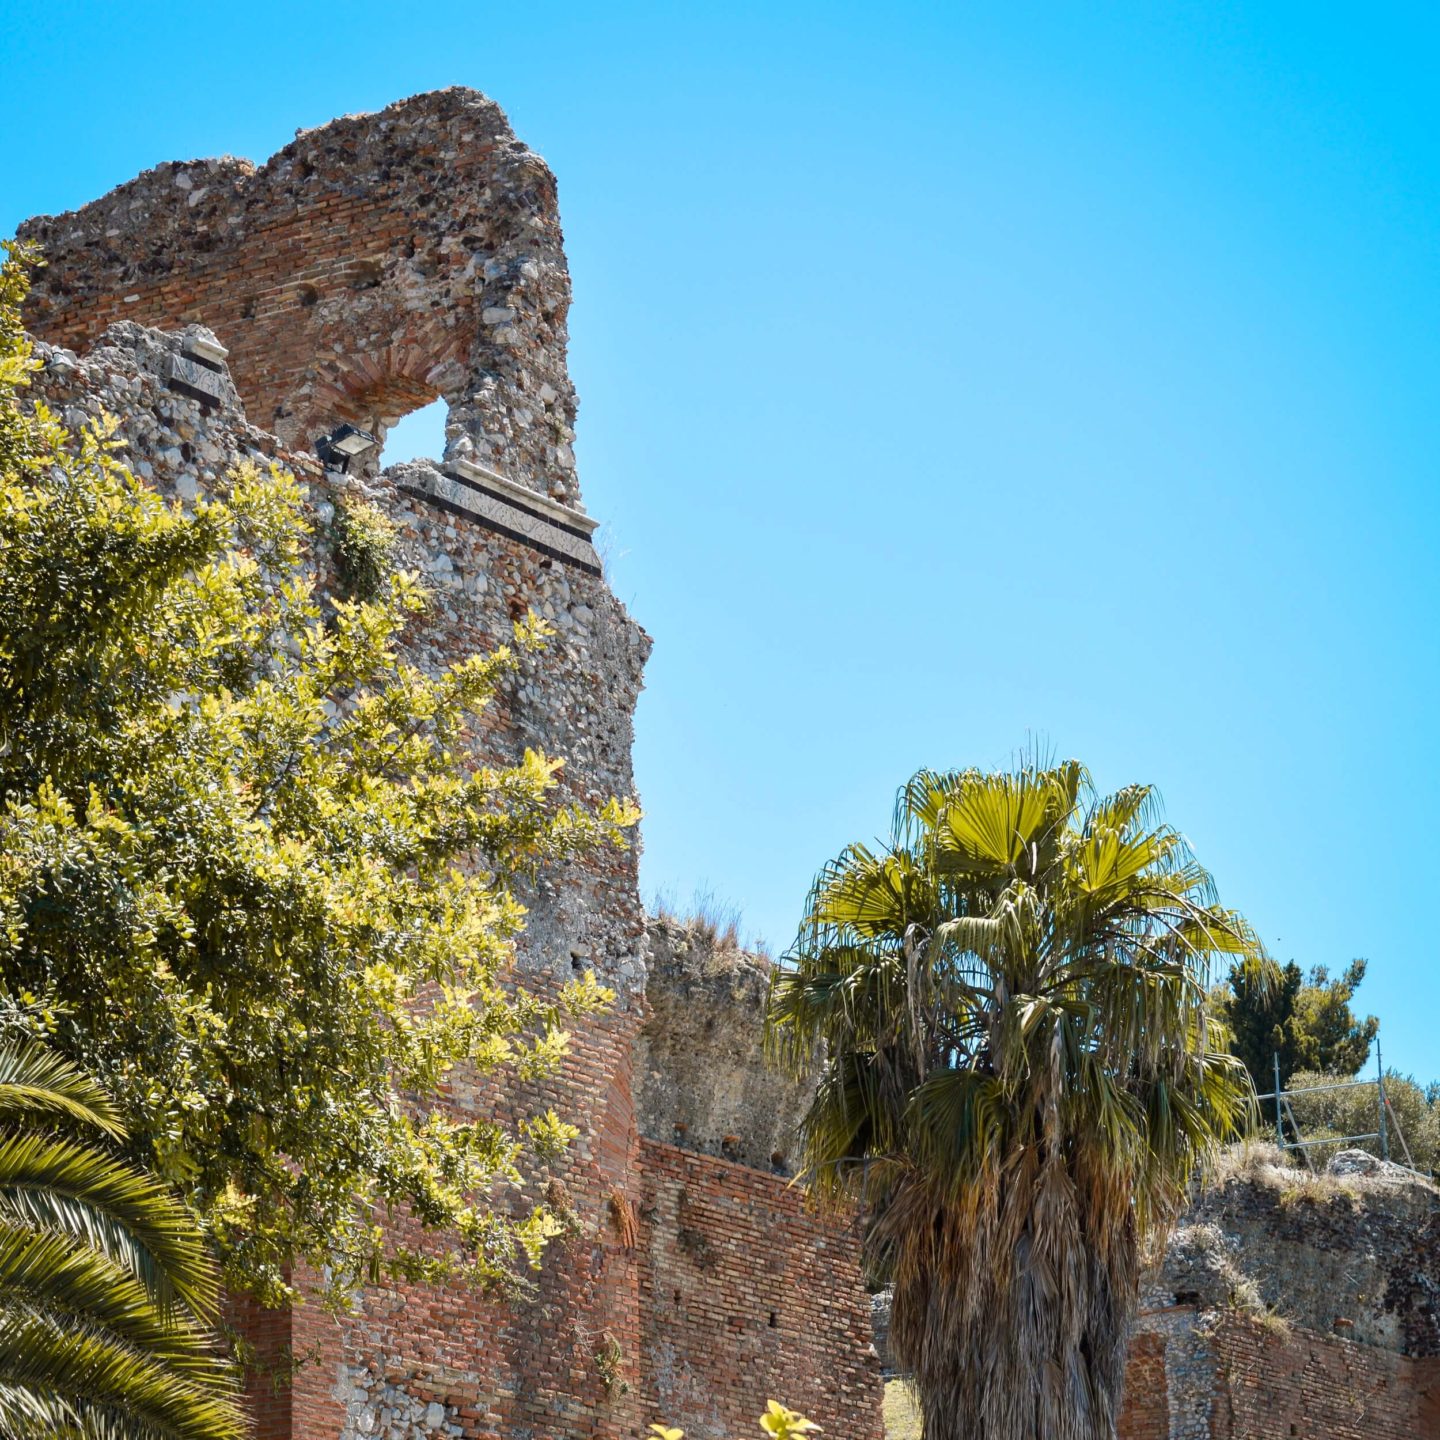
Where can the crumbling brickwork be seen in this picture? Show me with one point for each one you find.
(1290, 1304)
(491, 1369)
(701, 1080)
(375, 264)
(746, 1294)
(371, 265)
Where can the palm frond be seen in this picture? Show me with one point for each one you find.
(106, 1288)
(1021, 1077)
(67, 1188)
(37, 1083)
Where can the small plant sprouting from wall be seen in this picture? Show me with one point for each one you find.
(363, 539)
(608, 1359)
(557, 1197)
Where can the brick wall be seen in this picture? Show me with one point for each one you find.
(372, 265)
(1223, 1375)
(428, 1359)
(1147, 1411)
(498, 1368)
(1315, 1386)
(746, 1295)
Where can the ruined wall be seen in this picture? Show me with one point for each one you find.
(747, 1295)
(490, 1369)
(1286, 1304)
(372, 264)
(701, 1079)
(1293, 1305)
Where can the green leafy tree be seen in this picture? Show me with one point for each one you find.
(107, 1290)
(1307, 1023)
(1328, 1035)
(1259, 1016)
(251, 872)
(1021, 1079)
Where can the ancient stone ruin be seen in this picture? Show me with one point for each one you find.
(225, 311)
(372, 265)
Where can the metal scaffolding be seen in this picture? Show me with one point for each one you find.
(1387, 1123)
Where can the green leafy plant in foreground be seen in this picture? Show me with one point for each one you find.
(1021, 1079)
(777, 1422)
(107, 1289)
(252, 875)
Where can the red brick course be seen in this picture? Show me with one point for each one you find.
(1315, 1386)
(1147, 1412)
(748, 1295)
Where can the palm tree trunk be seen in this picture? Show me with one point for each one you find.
(1018, 1337)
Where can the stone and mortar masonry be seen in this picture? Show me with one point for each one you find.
(701, 1081)
(1289, 1305)
(374, 264)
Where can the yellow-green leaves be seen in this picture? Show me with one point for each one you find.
(781, 1423)
(244, 847)
(777, 1422)
(364, 540)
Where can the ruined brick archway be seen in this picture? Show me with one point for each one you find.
(370, 266)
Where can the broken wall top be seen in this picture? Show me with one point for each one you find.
(374, 264)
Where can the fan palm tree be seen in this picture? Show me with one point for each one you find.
(107, 1292)
(1021, 1079)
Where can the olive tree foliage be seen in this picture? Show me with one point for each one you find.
(252, 876)
(1413, 1114)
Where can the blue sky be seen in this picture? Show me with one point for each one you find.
(953, 379)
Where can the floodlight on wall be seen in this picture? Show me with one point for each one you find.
(337, 449)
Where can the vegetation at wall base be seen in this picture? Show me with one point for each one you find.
(252, 876)
(1022, 1079)
(903, 1420)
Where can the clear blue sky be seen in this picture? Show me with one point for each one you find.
(951, 377)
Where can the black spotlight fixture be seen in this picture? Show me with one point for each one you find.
(337, 449)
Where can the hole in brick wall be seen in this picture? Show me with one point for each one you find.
(420, 435)
(774, 1323)
(308, 295)
(365, 274)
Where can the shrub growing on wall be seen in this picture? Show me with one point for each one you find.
(233, 852)
(363, 539)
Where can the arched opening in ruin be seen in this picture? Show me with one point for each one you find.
(420, 435)
(408, 417)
